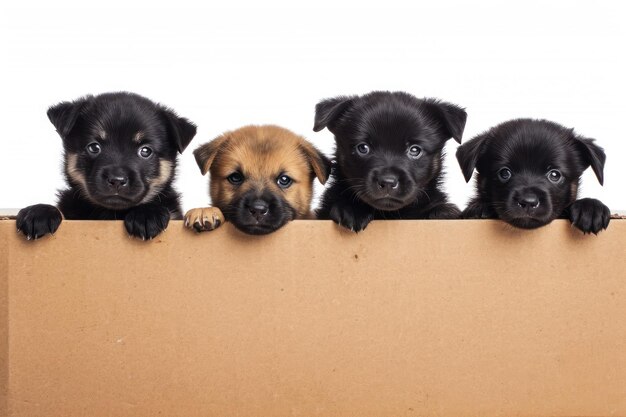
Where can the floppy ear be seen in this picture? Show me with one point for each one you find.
(318, 161)
(64, 115)
(592, 155)
(452, 117)
(205, 154)
(179, 129)
(328, 111)
(468, 154)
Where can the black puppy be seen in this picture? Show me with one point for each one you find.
(388, 157)
(120, 161)
(528, 175)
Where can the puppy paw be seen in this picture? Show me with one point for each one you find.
(204, 219)
(351, 217)
(589, 215)
(147, 221)
(38, 220)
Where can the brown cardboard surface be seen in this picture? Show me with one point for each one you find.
(409, 318)
(4, 318)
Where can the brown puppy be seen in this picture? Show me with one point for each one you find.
(261, 178)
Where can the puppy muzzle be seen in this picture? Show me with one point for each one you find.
(528, 208)
(389, 189)
(259, 213)
(117, 188)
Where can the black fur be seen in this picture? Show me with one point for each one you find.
(117, 182)
(536, 153)
(387, 182)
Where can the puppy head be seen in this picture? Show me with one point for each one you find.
(120, 147)
(262, 176)
(528, 170)
(389, 145)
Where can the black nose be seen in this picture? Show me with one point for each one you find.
(528, 201)
(387, 182)
(117, 181)
(258, 208)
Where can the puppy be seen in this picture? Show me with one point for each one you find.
(528, 175)
(261, 178)
(388, 157)
(120, 161)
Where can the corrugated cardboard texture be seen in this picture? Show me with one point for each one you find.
(447, 318)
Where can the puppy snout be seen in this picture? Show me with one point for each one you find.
(258, 208)
(387, 182)
(115, 178)
(117, 182)
(527, 200)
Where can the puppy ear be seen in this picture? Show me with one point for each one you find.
(468, 154)
(64, 115)
(205, 154)
(328, 111)
(318, 161)
(592, 155)
(451, 116)
(179, 129)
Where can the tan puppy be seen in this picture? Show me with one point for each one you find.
(261, 178)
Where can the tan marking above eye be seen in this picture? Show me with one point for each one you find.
(138, 136)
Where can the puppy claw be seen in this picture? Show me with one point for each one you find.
(38, 220)
(147, 221)
(589, 215)
(352, 218)
(204, 219)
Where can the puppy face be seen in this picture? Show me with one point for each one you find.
(120, 148)
(262, 176)
(528, 170)
(389, 145)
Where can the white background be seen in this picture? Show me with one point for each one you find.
(234, 63)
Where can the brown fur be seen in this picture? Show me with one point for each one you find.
(261, 154)
(156, 184)
(574, 189)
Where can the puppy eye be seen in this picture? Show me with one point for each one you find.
(94, 148)
(145, 152)
(235, 178)
(414, 151)
(363, 148)
(284, 181)
(504, 174)
(554, 175)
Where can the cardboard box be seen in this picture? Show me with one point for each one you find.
(409, 318)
